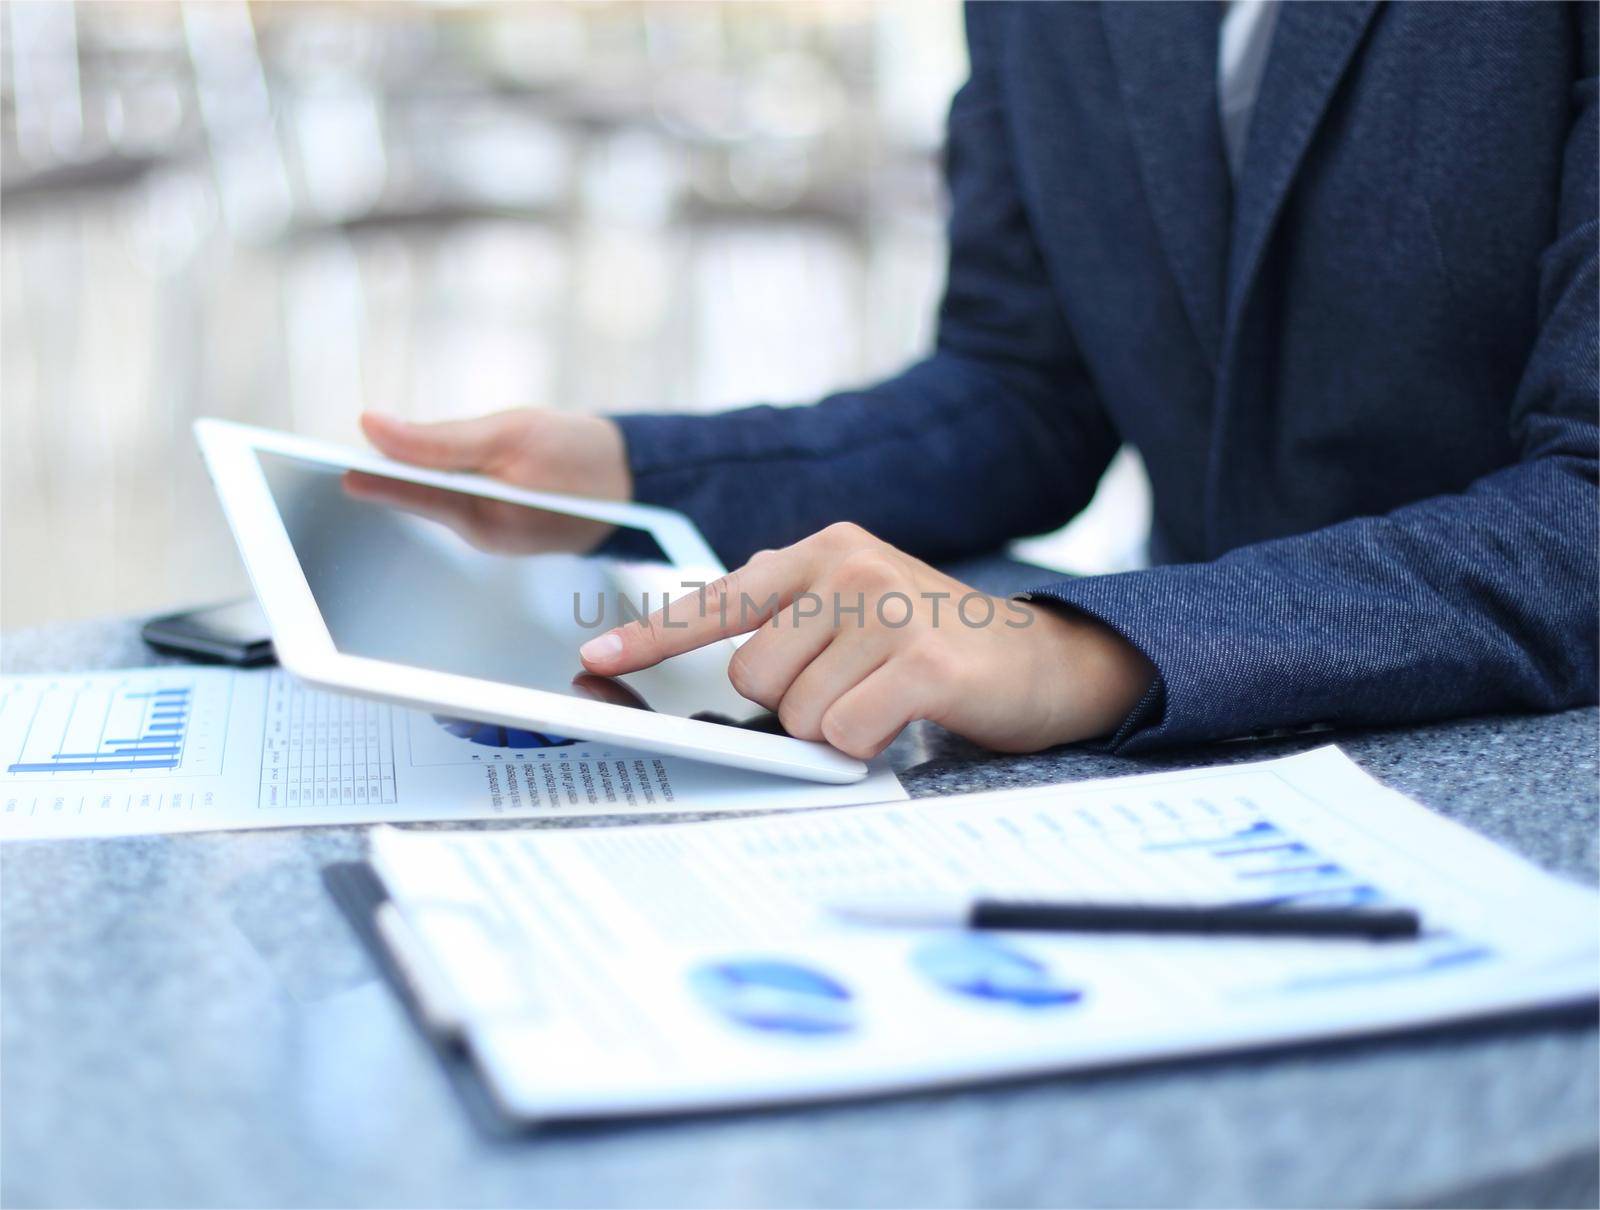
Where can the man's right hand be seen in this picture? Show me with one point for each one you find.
(533, 448)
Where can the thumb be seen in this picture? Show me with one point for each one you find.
(452, 445)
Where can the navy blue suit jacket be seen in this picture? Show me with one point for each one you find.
(1364, 382)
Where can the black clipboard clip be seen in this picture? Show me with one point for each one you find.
(382, 929)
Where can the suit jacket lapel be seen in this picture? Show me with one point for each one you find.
(1165, 57)
(1313, 43)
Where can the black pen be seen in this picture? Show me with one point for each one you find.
(1246, 919)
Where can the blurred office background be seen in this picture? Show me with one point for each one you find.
(287, 212)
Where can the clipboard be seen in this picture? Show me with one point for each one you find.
(685, 1009)
(361, 897)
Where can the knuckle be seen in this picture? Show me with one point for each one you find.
(639, 638)
(845, 734)
(797, 719)
(931, 661)
(733, 598)
(845, 534)
(739, 672)
(725, 588)
(867, 570)
(744, 672)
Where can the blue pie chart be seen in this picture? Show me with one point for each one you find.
(775, 995)
(494, 735)
(986, 969)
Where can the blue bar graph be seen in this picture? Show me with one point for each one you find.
(109, 730)
(119, 751)
(1262, 863)
(1261, 830)
(91, 766)
(1321, 869)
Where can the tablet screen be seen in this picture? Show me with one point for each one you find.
(452, 582)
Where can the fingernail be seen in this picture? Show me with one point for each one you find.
(602, 650)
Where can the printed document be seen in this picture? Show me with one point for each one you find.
(193, 749)
(639, 969)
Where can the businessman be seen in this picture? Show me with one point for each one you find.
(1330, 267)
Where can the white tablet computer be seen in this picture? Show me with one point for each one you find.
(468, 597)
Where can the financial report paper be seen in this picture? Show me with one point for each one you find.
(628, 970)
(192, 749)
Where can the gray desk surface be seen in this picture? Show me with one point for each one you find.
(188, 1021)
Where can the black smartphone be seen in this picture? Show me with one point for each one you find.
(234, 633)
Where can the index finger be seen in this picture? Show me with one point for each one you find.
(736, 603)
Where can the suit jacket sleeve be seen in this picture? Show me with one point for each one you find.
(996, 434)
(1468, 603)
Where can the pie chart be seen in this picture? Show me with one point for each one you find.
(775, 995)
(985, 969)
(494, 735)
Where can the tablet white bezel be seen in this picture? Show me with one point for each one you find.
(306, 648)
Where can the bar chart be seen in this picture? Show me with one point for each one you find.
(91, 728)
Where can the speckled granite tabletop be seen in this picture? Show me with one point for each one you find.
(187, 1021)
